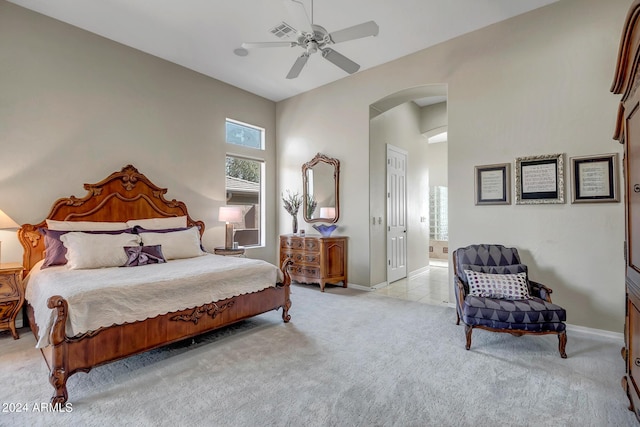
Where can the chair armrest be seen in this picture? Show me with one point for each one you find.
(460, 293)
(541, 290)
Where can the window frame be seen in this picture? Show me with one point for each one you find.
(248, 125)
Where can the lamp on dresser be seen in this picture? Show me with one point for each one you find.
(230, 215)
(327, 212)
(6, 223)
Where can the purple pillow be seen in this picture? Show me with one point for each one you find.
(143, 255)
(55, 252)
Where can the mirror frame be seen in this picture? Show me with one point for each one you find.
(321, 158)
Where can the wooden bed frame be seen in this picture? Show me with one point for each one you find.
(120, 197)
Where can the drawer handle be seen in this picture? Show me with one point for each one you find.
(637, 361)
(636, 188)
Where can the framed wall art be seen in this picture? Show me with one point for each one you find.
(492, 184)
(594, 179)
(540, 179)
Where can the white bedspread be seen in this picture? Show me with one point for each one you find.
(107, 296)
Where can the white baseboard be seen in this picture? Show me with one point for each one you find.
(365, 288)
(385, 284)
(378, 286)
(418, 272)
(614, 336)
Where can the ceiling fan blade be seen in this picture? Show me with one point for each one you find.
(365, 29)
(251, 45)
(340, 60)
(298, 66)
(299, 15)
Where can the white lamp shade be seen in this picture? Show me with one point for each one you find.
(327, 212)
(230, 214)
(6, 222)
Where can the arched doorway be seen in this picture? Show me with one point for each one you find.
(407, 119)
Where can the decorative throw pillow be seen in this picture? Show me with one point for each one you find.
(504, 286)
(85, 250)
(497, 269)
(55, 252)
(159, 223)
(183, 243)
(143, 255)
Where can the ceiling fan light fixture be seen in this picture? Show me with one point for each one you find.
(313, 38)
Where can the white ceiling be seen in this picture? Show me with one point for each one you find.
(202, 34)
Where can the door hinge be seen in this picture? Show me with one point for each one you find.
(389, 262)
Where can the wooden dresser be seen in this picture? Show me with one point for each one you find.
(626, 83)
(316, 259)
(11, 296)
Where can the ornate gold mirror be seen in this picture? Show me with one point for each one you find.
(320, 183)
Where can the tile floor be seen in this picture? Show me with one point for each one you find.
(429, 287)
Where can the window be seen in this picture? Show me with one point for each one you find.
(244, 134)
(244, 182)
(438, 214)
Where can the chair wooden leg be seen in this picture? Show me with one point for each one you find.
(562, 344)
(467, 330)
(457, 317)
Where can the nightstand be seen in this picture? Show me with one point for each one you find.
(221, 250)
(11, 296)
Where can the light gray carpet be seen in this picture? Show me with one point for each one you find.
(347, 358)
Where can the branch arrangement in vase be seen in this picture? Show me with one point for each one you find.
(292, 202)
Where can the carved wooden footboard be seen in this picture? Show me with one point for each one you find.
(128, 195)
(68, 355)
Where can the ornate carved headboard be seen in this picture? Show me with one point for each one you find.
(120, 197)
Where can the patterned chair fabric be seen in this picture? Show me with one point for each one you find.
(536, 315)
(530, 315)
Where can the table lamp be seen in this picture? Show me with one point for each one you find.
(327, 212)
(6, 223)
(230, 215)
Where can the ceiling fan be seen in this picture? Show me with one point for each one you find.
(313, 38)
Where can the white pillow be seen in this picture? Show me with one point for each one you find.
(159, 223)
(86, 250)
(53, 224)
(504, 286)
(175, 244)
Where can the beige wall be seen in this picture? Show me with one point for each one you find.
(433, 118)
(535, 84)
(75, 107)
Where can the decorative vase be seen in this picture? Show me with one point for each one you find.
(294, 224)
(325, 230)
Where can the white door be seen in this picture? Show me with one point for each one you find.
(396, 213)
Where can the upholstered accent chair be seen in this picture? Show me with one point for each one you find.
(494, 293)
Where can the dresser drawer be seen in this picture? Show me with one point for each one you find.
(300, 257)
(306, 258)
(311, 245)
(7, 308)
(291, 243)
(306, 271)
(9, 286)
